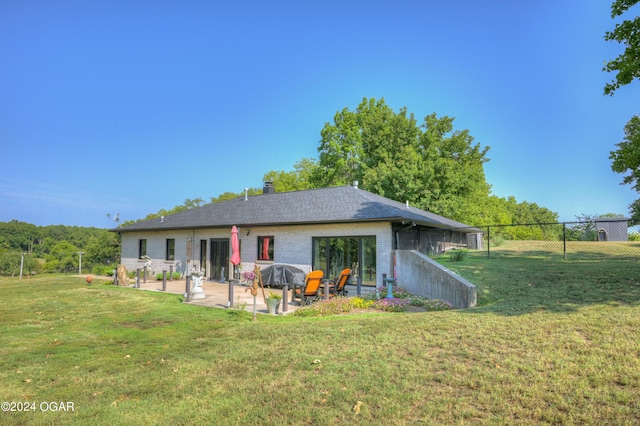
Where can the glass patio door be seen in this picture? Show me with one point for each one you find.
(219, 259)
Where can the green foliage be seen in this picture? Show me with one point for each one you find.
(274, 295)
(626, 65)
(626, 159)
(431, 165)
(296, 180)
(10, 264)
(104, 270)
(333, 306)
(58, 244)
(392, 305)
(458, 255)
(360, 303)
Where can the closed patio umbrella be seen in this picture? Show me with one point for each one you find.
(235, 246)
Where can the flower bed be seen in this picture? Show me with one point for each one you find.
(401, 301)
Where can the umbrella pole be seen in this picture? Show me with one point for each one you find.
(255, 318)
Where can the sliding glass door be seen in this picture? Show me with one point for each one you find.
(333, 254)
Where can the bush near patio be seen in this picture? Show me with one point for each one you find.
(401, 301)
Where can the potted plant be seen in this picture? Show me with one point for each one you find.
(273, 302)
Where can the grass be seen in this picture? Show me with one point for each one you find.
(552, 342)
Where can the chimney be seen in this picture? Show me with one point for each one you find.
(355, 184)
(268, 188)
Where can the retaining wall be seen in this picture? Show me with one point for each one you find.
(424, 277)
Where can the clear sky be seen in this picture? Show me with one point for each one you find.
(132, 106)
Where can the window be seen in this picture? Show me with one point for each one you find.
(265, 248)
(332, 255)
(171, 249)
(142, 248)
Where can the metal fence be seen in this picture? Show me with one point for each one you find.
(581, 240)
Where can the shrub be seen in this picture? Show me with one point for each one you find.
(436, 305)
(392, 305)
(458, 255)
(334, 306)
(360, 303)
(104, 270)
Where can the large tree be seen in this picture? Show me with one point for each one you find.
(627, 64)
(431, 165)
(626, 159)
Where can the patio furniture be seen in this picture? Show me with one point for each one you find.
(309, 292)
(279, 274)
(338, 284)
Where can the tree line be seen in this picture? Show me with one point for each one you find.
(55, 248)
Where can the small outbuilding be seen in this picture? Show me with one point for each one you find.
(612, 229)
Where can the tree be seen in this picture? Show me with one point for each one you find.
(626, 159)
(627, 64)
(432, 166)
(296, 180)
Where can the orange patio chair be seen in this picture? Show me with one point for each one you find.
(337, 285)
(309, 292)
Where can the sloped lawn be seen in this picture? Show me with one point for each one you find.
(553, 342)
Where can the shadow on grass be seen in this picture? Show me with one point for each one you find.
(519, 283)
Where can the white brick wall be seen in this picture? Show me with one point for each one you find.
(292, 245)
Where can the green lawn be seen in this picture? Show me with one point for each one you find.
(552, 342)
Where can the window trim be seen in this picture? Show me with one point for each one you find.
(170, 249)
(142, 242)
(271, 253)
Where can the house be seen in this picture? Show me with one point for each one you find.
(328, 229)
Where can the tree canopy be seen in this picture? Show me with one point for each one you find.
(627, 64)
(626, 159)
(431, 165)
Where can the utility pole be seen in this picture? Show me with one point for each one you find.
(80, 253)
(21, 265)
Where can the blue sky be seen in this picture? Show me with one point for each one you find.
(130, 107)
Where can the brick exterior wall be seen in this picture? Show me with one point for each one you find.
(292, 245)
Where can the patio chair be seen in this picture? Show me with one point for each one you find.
(309, 292)
(337, 285)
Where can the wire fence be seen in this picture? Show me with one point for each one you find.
(600, 238)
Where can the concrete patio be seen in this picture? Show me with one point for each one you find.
(217, 294)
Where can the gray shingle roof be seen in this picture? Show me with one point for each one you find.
(325, 205)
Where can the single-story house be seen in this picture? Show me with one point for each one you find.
(328, 229)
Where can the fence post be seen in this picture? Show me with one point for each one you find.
(488, 241)
(564, 240)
